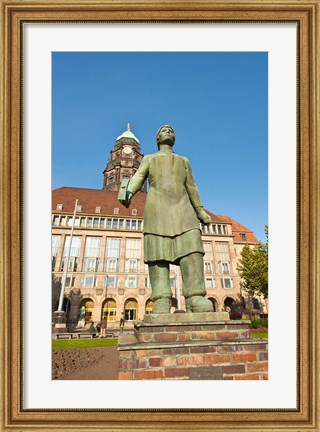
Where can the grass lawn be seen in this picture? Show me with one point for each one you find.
(261, 335)
(88, 343)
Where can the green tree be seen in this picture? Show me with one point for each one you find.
(253, 268)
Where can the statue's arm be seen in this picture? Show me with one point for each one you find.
(137, 181)
(194, 195)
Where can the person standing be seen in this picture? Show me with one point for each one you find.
(121, 325)
(103, 326)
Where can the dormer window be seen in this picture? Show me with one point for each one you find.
(60, 207)
(134, 212)
(98, 209)
(79, 208)
(116, 210)
(243, 237)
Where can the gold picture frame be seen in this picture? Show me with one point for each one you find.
(14, 417)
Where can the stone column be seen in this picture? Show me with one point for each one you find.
(233, 259)
(141, 303)
(120, 309)
(60, 253)
(81, 253)
(215, 258)
(102, 253)
(96, 314)
(123, 254)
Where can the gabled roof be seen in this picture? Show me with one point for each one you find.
(217, 218)
(239, 229)
(107, 200)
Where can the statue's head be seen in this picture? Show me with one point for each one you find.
(166, 135)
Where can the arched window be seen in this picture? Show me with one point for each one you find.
(234, 308)
(109, 310)
(149, 306)
(215, 303)
(88, 304)
(229, 302)
(131, 310)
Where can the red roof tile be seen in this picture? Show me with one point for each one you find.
(239, 229)
(89, 199)
(217, 218)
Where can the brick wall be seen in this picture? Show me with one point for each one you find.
(237, 360)
(192, 332)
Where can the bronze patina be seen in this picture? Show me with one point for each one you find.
(171, 224)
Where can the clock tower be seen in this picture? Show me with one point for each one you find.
(124, 161)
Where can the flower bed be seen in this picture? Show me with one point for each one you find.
(259, 330)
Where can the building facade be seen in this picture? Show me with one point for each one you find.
(106, 271)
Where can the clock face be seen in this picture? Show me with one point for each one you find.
(127, 150)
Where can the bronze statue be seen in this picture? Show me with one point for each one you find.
(171, 224)
(82, 313)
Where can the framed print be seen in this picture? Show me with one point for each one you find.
(36, 34)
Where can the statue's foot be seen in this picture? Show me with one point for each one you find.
(198, 304)
(162, 306)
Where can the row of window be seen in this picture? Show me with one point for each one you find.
(92, 253)
(92, 265)
(215, 229)
(112, 265)
(219, 229)
(98, 223)
(125, 224)
(130, 308)
(109, 309)
(112, 253)
(135, 282)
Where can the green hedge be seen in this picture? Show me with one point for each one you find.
(259, 323)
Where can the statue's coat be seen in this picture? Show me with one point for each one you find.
(173, 194)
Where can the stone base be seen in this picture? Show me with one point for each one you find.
(185, 318)
(192, 350)
(190, 331)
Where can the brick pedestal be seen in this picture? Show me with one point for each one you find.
(192, 347)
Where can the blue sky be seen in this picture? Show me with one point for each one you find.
(217, 104)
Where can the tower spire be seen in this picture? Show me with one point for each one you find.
(124, 161)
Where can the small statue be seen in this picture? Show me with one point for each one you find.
(82, 313)
(171, 226)
(82, 317)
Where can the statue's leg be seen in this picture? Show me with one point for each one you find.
(194, 288)
(160, 283)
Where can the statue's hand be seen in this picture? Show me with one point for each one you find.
(127, 201)
(124, 203)
(129, 196)
(203, 216)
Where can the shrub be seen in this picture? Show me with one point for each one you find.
(259, 323)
